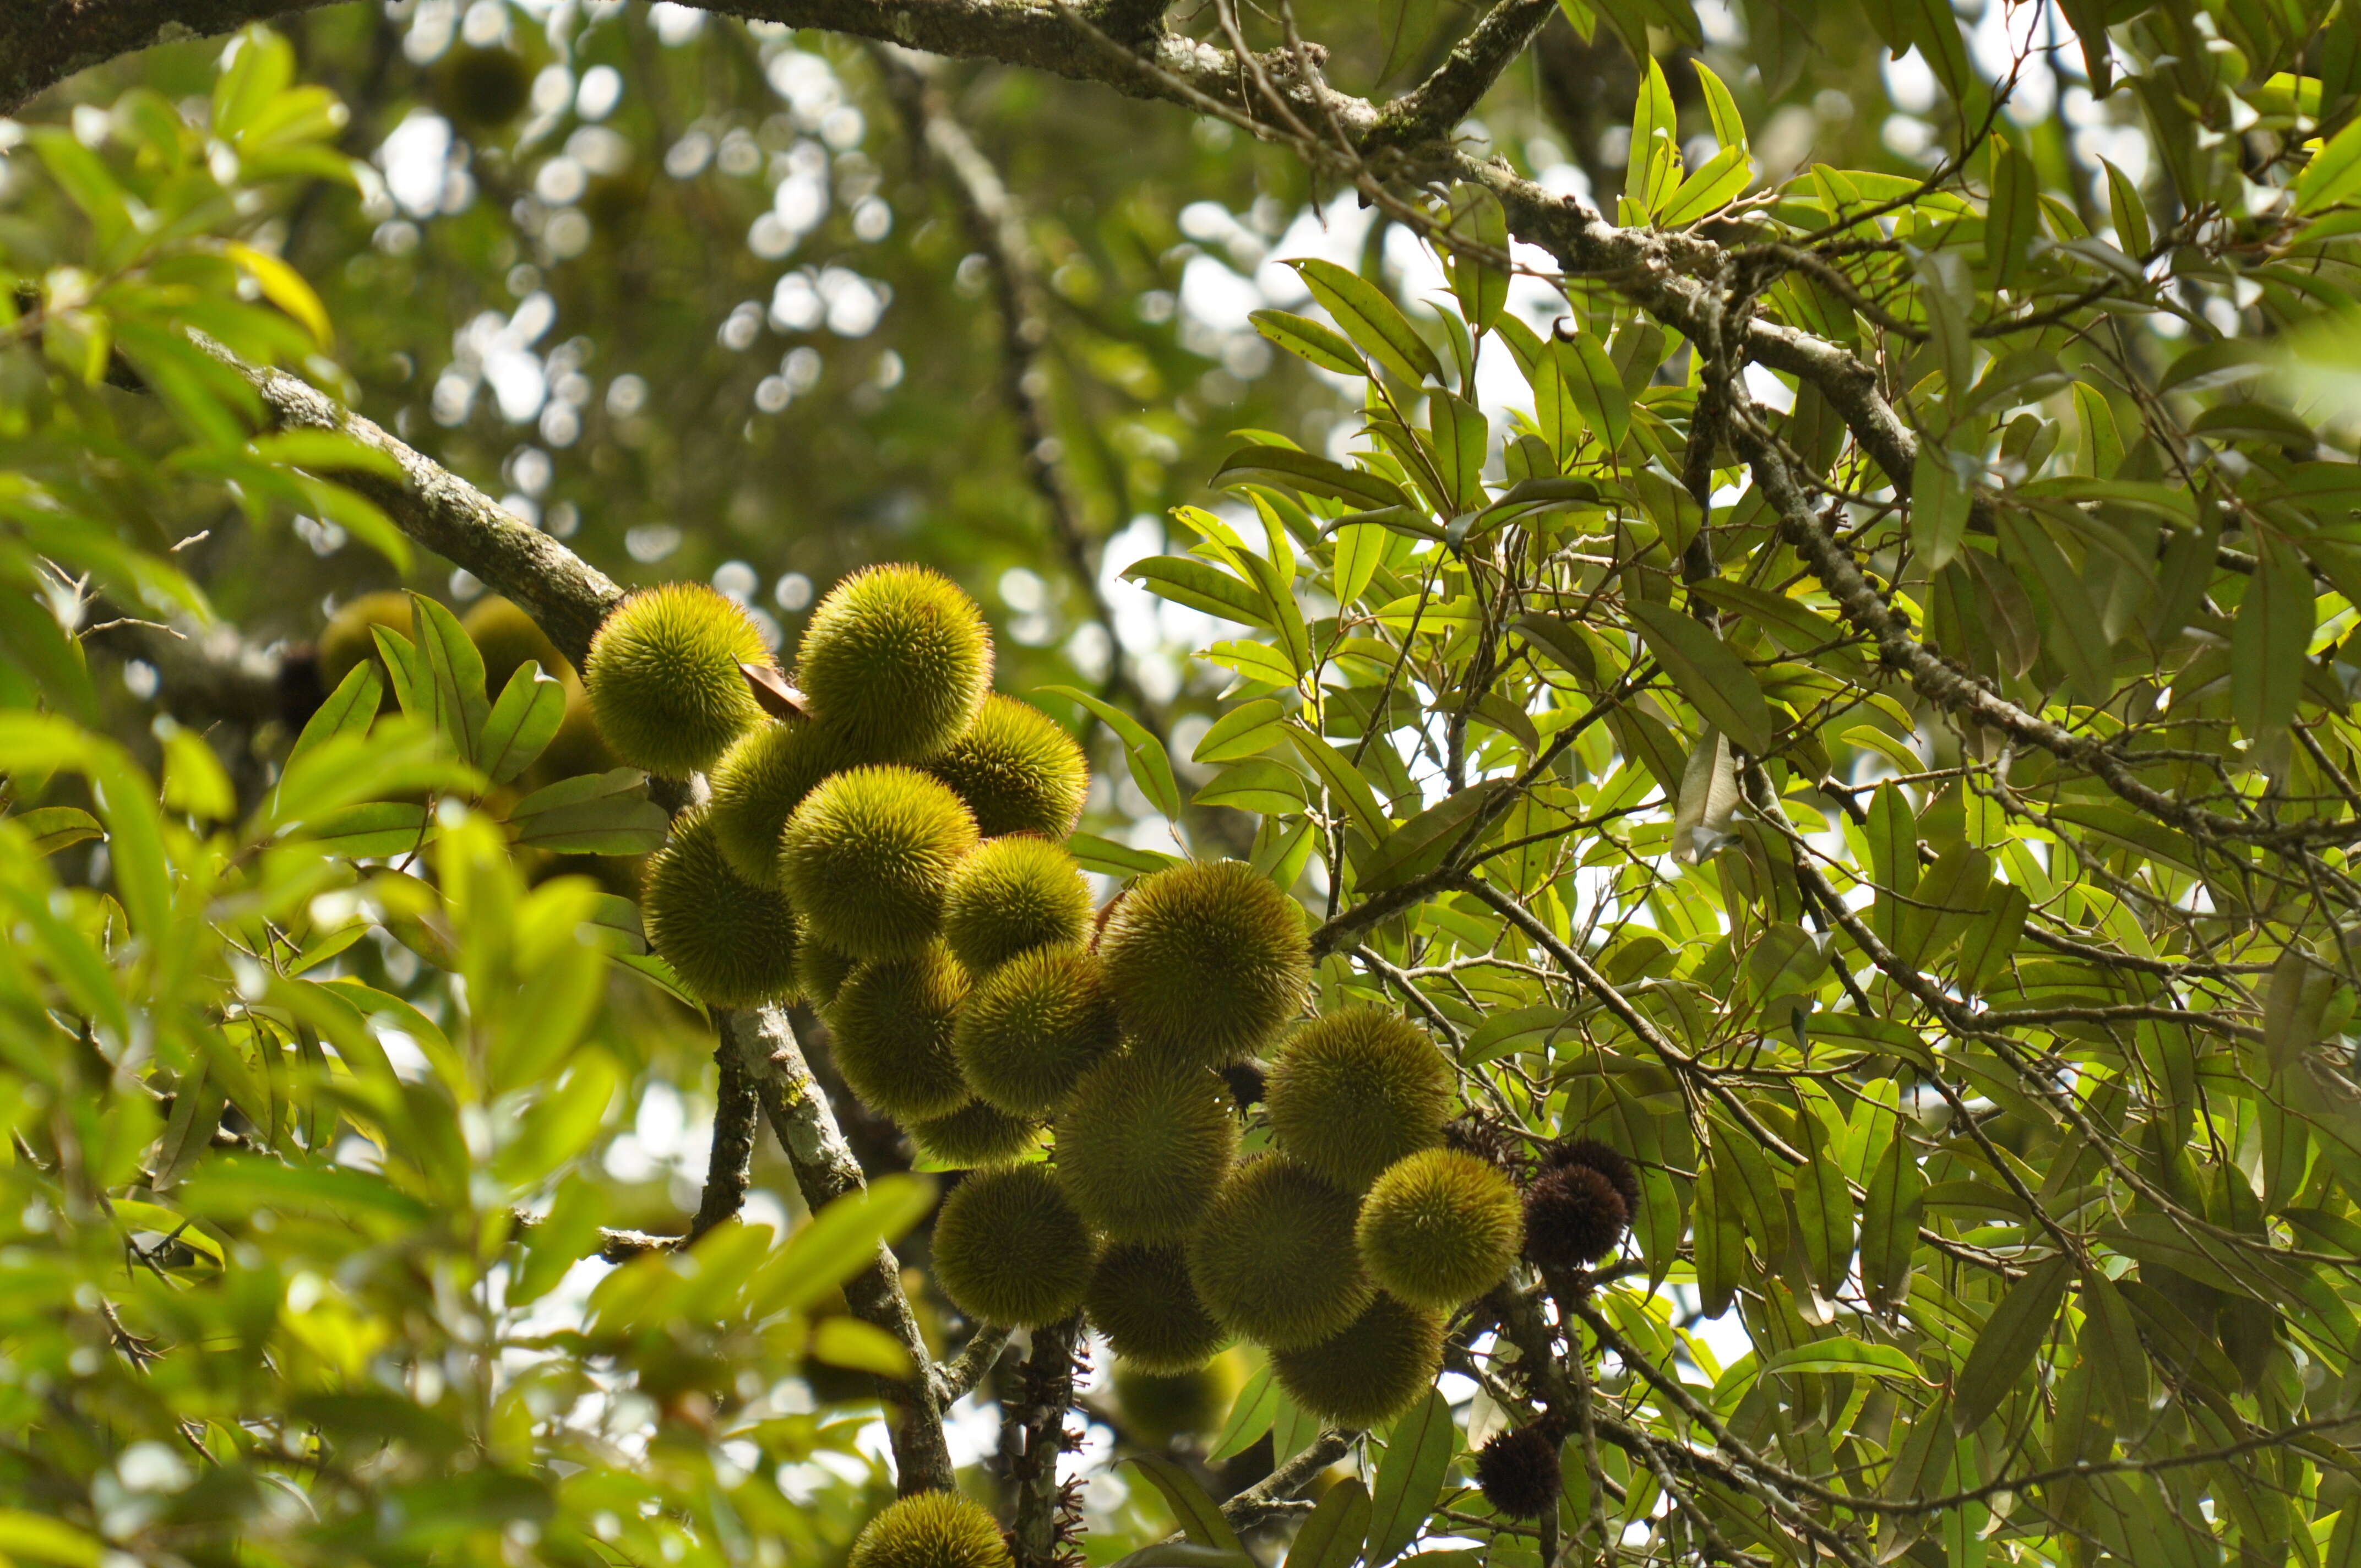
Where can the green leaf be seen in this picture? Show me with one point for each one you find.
(596, 814)
(840, 1242)
(349, 710)
(1099, 854)
(521, 723)
(1360, 550)
(1309, 341)
(2333, 174)
(863, 1347)
(1151, 770)
(1482, 287)
(1715, 183)
(1721, 689)
(1654, 159)
(1251, 1414)
(1346, 783)
(1460, 438)
(1939, 507)
(48, 828)
(1256, 784)
(455, 673)
(1419, 845)
(2128, 211)
(1247, 729)
(1307, 472)
(371, 830)
(2013, 216)
(1823, 1204)
(1199, 584)
(2006, 1346)
(1373, 322)
(1331, 1537)
(48, 1540)
(1842, 1355)
(1892, 1204)
(2074, 631)
(1199, 1515)
(1596, 385)
(1728, 124)
(2269, 641)
(1418, 1449)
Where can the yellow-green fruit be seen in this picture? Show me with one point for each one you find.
(820, 972)
(731, 942)
(757, 785)
(1033, 1026)
(505, 637)
(1018, 770)
(896, 661)
(892, 1021)
(1144, 1144)
(975, 1134)
(1274, 1260)
(1141, 1298)
(931, 1530)
(578, 747)
(1354, 1091)
(1440, 1228)
(664, 678)
(1009, 1249)
(349, 637)
(1012, 893)
(1160, 1406)
(1371, 1372)
(1204, 961)
(867, 856)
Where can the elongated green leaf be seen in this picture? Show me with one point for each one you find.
(1200, 1516)
(1331, 1537)
(349, 710)
(1824, 1205)
(455, 671)
(1250, 1416)
(521, 723)
(1249, 727)
(1373, 322)
(1344, 782)
(1717, 683)
(2267, 642)
(1309, 341)
(596, 814)
(1653, 163)
(1419, 1450)
(1308, 472)
(2129, 213)
(2333, 174)
(48, 828)
(1100, 854)
(1256, 784)
(2014, 214)
(1892, 1203)
(1481, 286)
(1419, 845)
(1151, 770)
(1595, 387)
(1199, 584)
(2006, 1346)
(1715, 183)
(1830, 1356)
(840, 1241)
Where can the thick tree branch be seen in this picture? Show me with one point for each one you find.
(731, 1166)
(1434, 107)
(1045, 1393)
(799, 1115)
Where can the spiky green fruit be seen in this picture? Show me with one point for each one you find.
(757, 785)
(1009, 1249)
(1354, 1091)
(1144, 1144)
(1273, 1260)
(1372, 1371)
(350, 638)
(821, 970)
(1033, 1026)
(931, 1530)
(664, 679)
(867, 856)
(1010, 894)
(1142, 1299)
(1440, 1227)
(505, 637)
(1018, 770)
(1204, 961)
(731, 942)
(976, 1134)
(896, 661)
(892, 1021)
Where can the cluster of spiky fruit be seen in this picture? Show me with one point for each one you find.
(895, 855)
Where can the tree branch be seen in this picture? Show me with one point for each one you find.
(731, 1166)
(799, 1115)
(1434, 107)
(1045, 1393)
